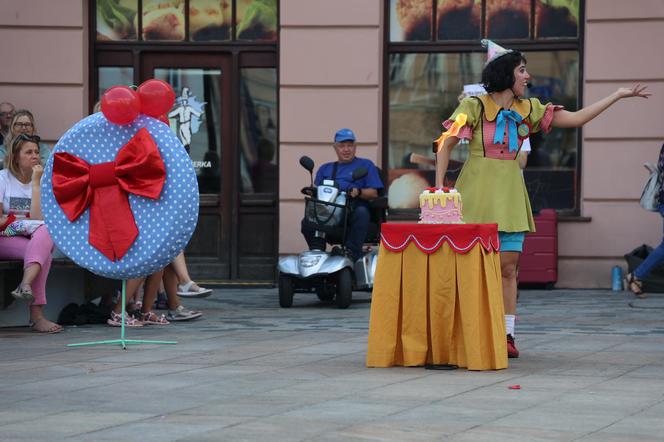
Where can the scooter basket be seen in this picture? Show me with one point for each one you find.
(323, 213)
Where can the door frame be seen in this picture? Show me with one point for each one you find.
(223, 202)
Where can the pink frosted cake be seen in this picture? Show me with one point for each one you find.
(440, 206)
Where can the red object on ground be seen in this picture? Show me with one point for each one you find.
(539, 260)
(515, 387)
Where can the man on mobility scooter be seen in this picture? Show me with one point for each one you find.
(342, 208)
(361, 191)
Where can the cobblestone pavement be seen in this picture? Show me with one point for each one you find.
(592, 369)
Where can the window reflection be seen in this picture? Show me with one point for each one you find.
(258, 130)
(555, 18)
(163, 20)
(113, 76)
(424, 91)
(257, 20)
(507, 18)
(459, 19)
(196, 119)
(116, 19)
(410, 20)
(210, 20)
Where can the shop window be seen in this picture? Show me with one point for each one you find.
(116, 20)
(112, 76)
(196, 118)
(258, 130)
(428, 71)
(414, 20)
(210, 21)
(257, 20)
(186, 20)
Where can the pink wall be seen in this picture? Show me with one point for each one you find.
(622, 47)
(330, 73)
(622, 43)
(49, 73)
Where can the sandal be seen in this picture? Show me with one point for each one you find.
(152, 318)
(23, 293)
(189, 291)
(53, 329)
(635, 286)
(129, 321)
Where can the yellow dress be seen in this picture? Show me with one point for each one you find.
(491, 182)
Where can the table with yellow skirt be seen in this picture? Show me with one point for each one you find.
(437, 297)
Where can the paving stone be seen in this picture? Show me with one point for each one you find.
(592, 368)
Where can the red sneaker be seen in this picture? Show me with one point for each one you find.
(512, 352)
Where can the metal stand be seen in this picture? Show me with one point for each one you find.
(122, 341)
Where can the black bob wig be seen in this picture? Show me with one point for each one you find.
(499, 74)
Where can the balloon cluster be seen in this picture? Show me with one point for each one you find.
(122, 104)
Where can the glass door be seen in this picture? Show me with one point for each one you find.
(201, 119)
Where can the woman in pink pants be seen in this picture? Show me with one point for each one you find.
(20, 196)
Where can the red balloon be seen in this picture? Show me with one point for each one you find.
(157, 97)
(120, 105)
(164, 119)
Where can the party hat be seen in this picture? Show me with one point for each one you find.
(494, 50)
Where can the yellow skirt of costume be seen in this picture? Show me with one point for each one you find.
(493, 191)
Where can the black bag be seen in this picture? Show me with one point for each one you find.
(89, 313)
(650, 195)
(654, 282)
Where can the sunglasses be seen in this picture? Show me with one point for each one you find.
(6, 114)
(32, 138)
(23, 125)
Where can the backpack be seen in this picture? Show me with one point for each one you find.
(650, 195)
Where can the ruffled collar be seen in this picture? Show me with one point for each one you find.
(491, 108)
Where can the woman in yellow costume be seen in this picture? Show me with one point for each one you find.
(491, 182)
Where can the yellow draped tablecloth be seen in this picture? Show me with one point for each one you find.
(437, 297)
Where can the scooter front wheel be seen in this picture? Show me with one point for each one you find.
(285, 290)
(344, 288)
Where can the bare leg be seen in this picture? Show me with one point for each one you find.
(180, 267)
(131, 286)
(150, 290)
(171, 286)
(508, 265)
(30, 273)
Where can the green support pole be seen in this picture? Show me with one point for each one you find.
(122, 341)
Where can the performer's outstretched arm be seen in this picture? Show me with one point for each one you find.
(565, 118)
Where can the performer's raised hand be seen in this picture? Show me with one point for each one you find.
(635, 91)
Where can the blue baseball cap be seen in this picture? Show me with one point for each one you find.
(344, 135)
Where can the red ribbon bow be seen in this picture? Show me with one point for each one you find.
(138, 169)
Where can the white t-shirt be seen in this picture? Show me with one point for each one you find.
(525, 145)
(15, 196)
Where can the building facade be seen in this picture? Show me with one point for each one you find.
(262, 82)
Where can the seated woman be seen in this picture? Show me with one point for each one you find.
(23, 122)
(20, 196)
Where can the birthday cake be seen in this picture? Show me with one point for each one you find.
(440, 206)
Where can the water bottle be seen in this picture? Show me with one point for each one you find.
(616, 279)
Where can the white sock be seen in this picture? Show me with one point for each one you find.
(509, 324)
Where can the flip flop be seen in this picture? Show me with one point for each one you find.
(186, 291)
(635, 286)
(56, 328)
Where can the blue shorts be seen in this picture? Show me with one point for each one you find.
(511, 241)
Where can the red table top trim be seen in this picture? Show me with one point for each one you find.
(429, 237)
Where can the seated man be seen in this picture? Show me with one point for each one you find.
(361, 191)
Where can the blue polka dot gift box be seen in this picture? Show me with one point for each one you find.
(120, 200)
